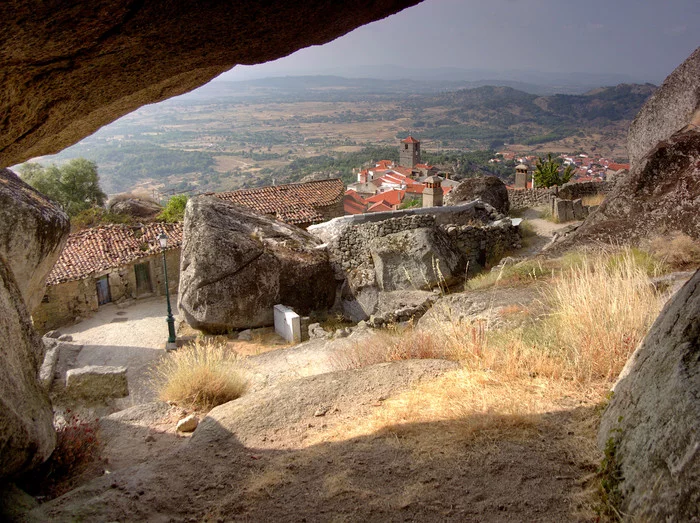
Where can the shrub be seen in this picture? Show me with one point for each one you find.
(174, 210)
(77, 445)
(201, 375)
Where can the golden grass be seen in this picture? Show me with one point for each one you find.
(677, 249)
(594, 199)
(201, 375)
(599, 309)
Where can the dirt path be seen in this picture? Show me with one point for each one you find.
(545, 230)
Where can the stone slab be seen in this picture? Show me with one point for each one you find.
(287, 323)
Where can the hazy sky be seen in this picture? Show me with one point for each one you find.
(645, 39)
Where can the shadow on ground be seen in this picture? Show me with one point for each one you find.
(415, 472)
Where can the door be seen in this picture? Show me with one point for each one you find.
(103, 294)
(143, 279)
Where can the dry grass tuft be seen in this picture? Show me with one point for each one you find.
(594, 199)
(201, 375)
(678, 250)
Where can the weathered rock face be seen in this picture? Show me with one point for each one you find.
(27, 437)
(69, 68)
(415, 259)
(488, 189)
(136, 207)
(671, 108)
(652, 424)
(237, 265)
(33, 231)
(662, 194)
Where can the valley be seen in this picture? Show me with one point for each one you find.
(230, 135)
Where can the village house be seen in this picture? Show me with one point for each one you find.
(106, 264)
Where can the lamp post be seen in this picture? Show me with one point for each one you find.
(172, 338)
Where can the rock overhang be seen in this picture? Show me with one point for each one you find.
(70, 68)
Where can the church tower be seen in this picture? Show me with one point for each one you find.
(409, 152)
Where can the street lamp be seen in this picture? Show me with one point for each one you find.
(163, 239)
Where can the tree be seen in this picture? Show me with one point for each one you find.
(547, 173)
(75, 186)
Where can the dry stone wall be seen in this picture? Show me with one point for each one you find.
(524, 198)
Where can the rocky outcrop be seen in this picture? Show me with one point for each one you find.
(69, 68)
(135, 207)
(237, 265)
(662, 194)
(33, 231)
(488, 189)
(674, 106)
(651, 427)
(415, 259)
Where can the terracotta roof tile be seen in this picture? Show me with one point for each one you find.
(379, 207)
(110, 246)
(292, 203)
(392, 197)
(410, 139)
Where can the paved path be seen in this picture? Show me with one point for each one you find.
(131, 335)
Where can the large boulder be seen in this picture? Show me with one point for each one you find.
(33, 231)
(140, 208)
(27, 437)
(489, 189)
(651, 428)
(236, 265)
(662, 194)
(420, 258)
(71, 67)
(672, 107)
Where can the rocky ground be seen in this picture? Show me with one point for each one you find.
(314, 441)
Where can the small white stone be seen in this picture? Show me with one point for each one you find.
(188, 424)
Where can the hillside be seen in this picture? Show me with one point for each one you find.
(230, 135)
(506, 114)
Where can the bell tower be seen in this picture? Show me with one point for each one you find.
(409, 152)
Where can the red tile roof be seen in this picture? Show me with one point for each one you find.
(410, 139)
(94, 250)
(292, 203)
(379, 207)
(392, 197)
(354, 203)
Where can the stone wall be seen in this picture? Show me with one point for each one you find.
(351, 249)
(574, 191)
(332, 211)
(480, 243)
(524, 198)
(66, 302)
(484, 245)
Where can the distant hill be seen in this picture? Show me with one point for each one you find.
(504, 113)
